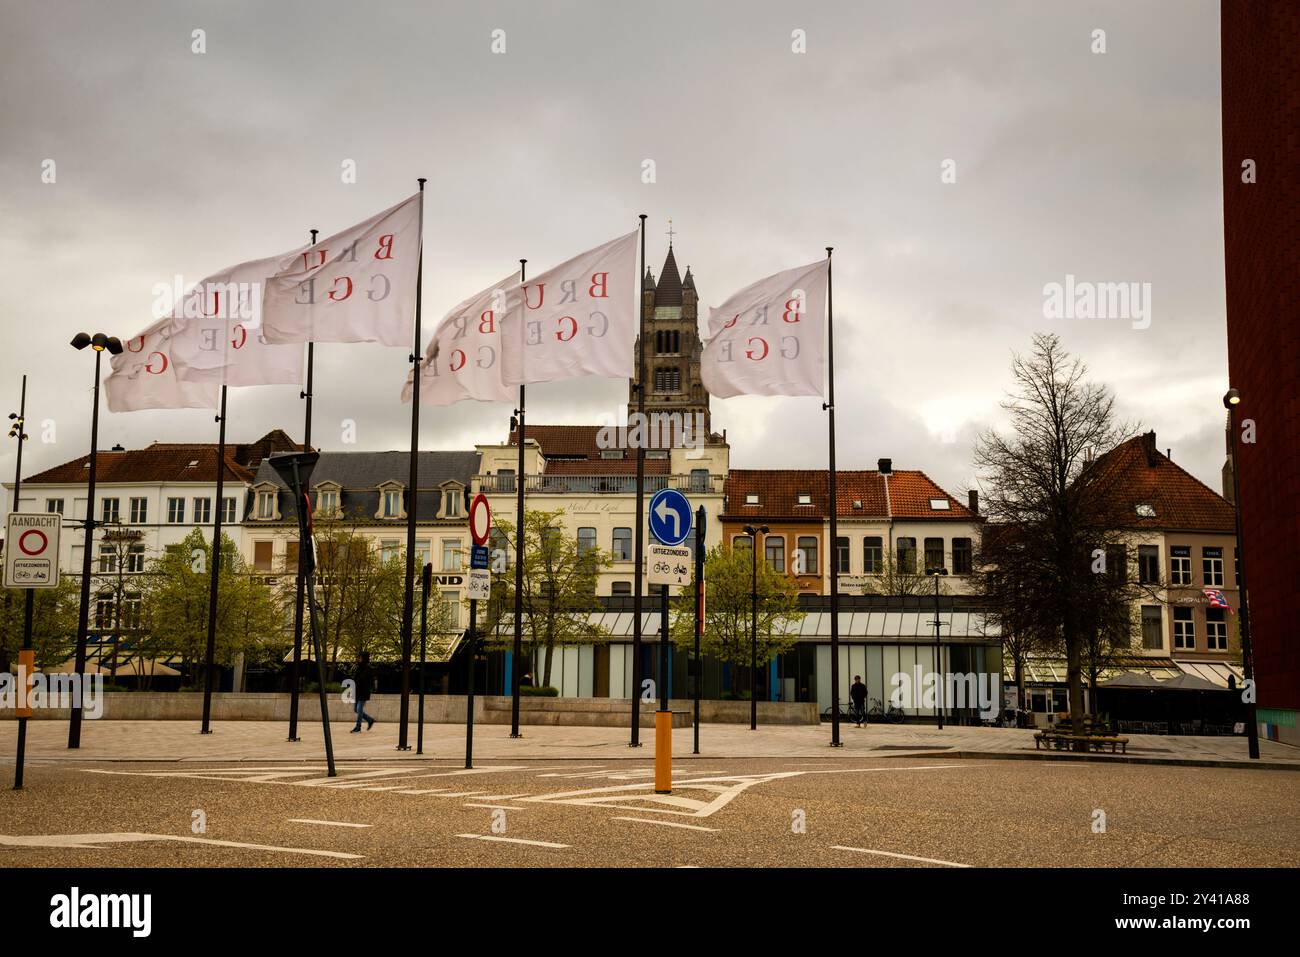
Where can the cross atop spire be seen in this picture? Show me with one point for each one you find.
(671, 234)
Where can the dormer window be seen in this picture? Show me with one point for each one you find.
(1146, 511)
(327, 500)
(805, 498)
(751, 498)
(391, 503)
(940, 505)
(267, 505)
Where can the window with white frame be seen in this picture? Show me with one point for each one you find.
(54, 506)
(265, 505)
(135, 558)
(451, 497)
(139, 511)
(1216, 629)
(392, 506)
(1184, 630)
(110, 510)
(451, 554)
(1180, 565)
(774, 552)
(228, 506)
(107, 559)
(203, 511)
(390, 549)
(175, 511)
(451, 602)
(1212, 567)
(327, 501)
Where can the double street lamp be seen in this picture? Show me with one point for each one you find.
(753, 533)
(1230, 401)
(113, 346)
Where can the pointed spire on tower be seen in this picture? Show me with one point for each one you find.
(649, 281)
(669, 290)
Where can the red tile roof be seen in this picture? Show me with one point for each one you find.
(1136, 473)
(158, 463)
(909, 494)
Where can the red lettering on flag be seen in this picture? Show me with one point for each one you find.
(385, 250)
(346, 294)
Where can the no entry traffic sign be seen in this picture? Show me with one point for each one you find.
(480, 519)
(32, 550)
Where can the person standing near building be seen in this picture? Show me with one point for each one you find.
(858, 695)
(364, 682)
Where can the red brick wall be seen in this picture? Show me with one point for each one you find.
(1261, 121)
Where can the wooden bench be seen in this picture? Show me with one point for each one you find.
(1096, 742)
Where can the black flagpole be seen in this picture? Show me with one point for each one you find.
(640, 504)
(426, 581)
(299, 592)
(516, 660)
(28, 597)
(214, 570)
(833, 551)
(412, 496)
(83, 610)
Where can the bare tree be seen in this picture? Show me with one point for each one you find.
(1041, 482)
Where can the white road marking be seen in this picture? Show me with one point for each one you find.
(646, 820)
(510, 840)
(307, 820)
(906, 857)
(919, 767)
(503, 807)
(722, 790)
(504, 797)
(131, 837)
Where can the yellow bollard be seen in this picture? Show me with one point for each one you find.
(663, 752)
(27, 663)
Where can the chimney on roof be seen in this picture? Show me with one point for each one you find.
(1149, 446)
(885, 466)
(118, 448)
(973, 500)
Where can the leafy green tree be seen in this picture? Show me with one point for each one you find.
(559, 588)
(728, 611)
(174, 598)
(54, 623)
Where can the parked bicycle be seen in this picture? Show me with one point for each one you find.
(878, 712)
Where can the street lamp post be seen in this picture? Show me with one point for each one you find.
(753, 534)
(936, 574)
(1231, 401)
(101, 344)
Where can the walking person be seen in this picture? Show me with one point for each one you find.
(364, 681)
(858, 695)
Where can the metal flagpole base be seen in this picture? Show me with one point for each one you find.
(403, 747)
(209, 731)
(294, 740)
(837, 744)
(516, 735)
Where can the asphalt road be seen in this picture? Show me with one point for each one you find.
(893, 812)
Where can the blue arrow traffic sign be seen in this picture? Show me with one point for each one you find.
(670, 516)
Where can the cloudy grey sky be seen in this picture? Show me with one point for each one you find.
(1104, 166)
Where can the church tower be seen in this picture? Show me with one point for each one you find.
(673, 345)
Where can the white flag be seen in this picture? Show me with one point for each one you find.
(217, 333)
(144, 376)
(463, 360)
(354, 286)
(767, 339)
(578, 319)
